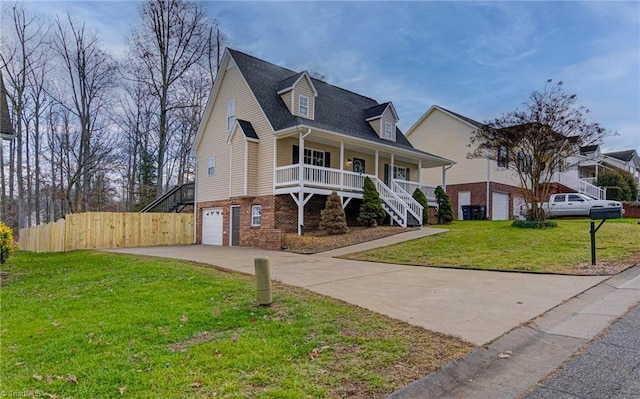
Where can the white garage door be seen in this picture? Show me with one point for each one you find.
(212, 226)
(500, 206)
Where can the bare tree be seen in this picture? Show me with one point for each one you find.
(536, 140)
(171, 38)
(90, 75)
(19, 56)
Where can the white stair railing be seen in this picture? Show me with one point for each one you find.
(413, 206)
(394, 205)
(579, 185)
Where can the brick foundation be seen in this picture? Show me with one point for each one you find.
(279, 216)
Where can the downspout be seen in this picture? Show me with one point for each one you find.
(444, 176)
(488, 186)
(195, 202)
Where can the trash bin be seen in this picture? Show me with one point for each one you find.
(478, 212)
(466, 212)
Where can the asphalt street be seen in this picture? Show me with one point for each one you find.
(608, 368)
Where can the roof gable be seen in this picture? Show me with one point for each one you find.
(377, 111)
(473, 124)
(289, 83)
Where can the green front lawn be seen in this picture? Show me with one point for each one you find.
(98, 325)
(498, 246)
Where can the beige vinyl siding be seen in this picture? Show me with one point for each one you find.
(413, 168)
(214, 141)
(387, 116)
(286, 98)
(252, 175)
(237, 174)
(284, 154)
(449, 137)
(375, 124)
(303, 88)
(369, 161)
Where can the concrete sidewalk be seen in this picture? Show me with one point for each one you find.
(516, 361)
(477, 306)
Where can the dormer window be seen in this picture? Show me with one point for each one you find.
(388, 130)
(303, 106)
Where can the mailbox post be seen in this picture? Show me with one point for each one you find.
(601, 214)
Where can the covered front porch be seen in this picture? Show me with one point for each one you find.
(332, 162)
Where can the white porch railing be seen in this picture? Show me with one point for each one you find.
(397, 201)
(410, 187)
(580, 185)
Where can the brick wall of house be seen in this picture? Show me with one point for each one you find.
(265, 236)
(286, 212)
(279, 216)
(479, 194)
(631, 209)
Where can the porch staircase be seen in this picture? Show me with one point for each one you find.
(174, 200)
(579, 185)
(400, 206)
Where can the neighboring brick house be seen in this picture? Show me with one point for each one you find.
(481, 182)
(274, 143)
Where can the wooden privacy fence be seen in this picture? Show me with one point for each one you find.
(109, 230)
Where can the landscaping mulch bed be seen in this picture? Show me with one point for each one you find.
(319, 241)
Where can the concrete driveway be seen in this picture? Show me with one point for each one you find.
(477, 306)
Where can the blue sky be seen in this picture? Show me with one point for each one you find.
(480, 59)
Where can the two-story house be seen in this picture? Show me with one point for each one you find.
(274, 143)
(491, 183)
(592, 162)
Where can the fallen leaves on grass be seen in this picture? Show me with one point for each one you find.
(122, 389)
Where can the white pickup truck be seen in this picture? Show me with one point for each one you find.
(574, 204)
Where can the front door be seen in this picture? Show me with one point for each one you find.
(235, 225)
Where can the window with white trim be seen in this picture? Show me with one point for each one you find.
(256, 215)
(314, 157)
(211, 166)
(388, 130)
(400, 173)
(231, 114)
(503, 157)
(303, 105)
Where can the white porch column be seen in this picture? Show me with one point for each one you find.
(301, 137)
(391, 167)
(341, 165)
(420, 173)
(375, 172)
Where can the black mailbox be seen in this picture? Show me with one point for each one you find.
(605, 213)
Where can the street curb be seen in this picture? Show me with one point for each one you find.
(530, 352)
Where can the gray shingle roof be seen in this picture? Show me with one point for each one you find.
(376, 110)
(247, 128)
(622, 155)
(588, 148)
(336, 109)
(288, 82)
(6, 128)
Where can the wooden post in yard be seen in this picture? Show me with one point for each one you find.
(263, 281)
